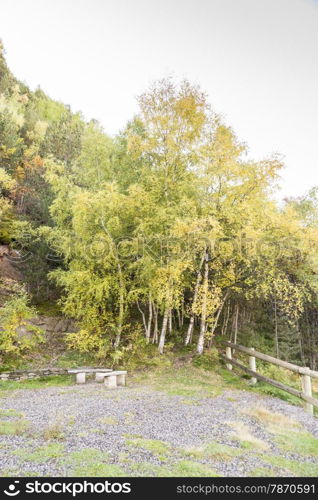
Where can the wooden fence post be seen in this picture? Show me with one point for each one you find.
(306, 388)
(252, 364)
(229, 355)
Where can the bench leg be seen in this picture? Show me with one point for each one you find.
(80, 378)
(110, 381)
(121, 379)
(99, 377)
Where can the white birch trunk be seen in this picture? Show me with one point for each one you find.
(163, 330)
(200, 344)
(148, 329)
(188, 338)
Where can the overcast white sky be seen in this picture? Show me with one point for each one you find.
(257, 60)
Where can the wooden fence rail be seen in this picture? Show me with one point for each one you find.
(306, 374)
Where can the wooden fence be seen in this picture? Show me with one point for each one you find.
(306, 374)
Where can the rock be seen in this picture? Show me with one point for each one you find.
(8, 258)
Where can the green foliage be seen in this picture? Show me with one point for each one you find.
(137, 235)
(208, 361)
(18, 336)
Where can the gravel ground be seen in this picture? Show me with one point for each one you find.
(90, 416)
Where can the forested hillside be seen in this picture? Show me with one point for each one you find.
(165, 235)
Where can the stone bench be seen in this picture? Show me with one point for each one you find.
(81, 373)
(113, 379)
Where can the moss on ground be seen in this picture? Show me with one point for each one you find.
(16, 427)
(214, 451)
(37, 383)
(91, 462)
(301, 443)
(182, 468)
(188, 381)
(155, 446)
(42, 453)
(108, 421)
(10, 413)
(295, 467)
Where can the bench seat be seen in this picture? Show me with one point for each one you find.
(81, 373)
(111, 378)
(114, 379)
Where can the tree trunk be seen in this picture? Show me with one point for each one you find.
(163, 331)
(148, 330)
(236, 323)
(188, 338)
(200, 344)
(189, 332)
(143, 317)
(155, 330)
(179, 319)
(121, 307)
(170, 321)
(226, 320)
(216, 320)
(276, 329)
(182, 312)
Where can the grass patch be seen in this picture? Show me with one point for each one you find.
(42, 454)
(240, 381)
(129, 418)
(54, 431)
(188, 381)
(263, 472)
(158, 448)
(245, 438)
(183, 468)
(98, 470)
(17, 427)
(190, 402)
(269, 390)
(144, 469)
(273, 421)
(92, 462)
(73, 359)
(288, 433)
(214, 451)
(301, 443)
(300, 469)
(87, 455)
(37, 383)
(10, 413)
(71, 420)
(108, 421)
(188, 468)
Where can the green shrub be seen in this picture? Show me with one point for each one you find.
(14, 315)
(208, 360)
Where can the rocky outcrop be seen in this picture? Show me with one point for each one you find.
(54, 324)
(10, 276)
(30, 374)
(8, 257)
(55, 328)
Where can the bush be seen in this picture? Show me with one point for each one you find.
(208, 360)
(18, 337)
(276, 373)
